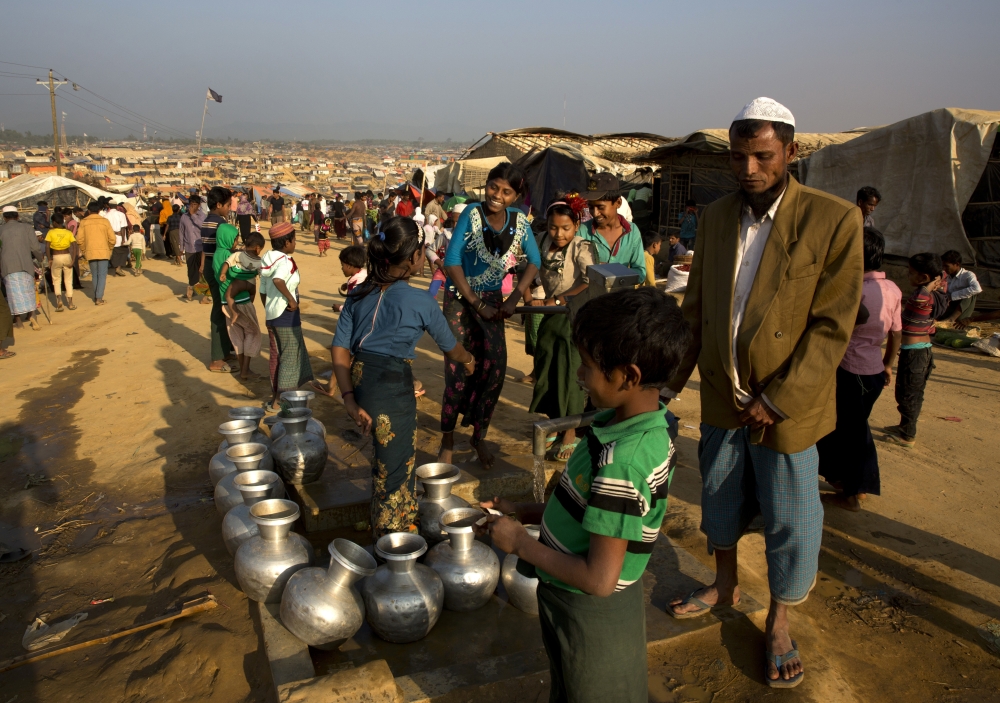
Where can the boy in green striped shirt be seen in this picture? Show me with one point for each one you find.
(599, 527)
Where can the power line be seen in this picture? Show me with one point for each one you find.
(24, 65)
(125, 117)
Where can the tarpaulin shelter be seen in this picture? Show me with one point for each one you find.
(930, 169)
(468, 176)
(697, 166)
(25, 191)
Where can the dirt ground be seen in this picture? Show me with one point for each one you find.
(109, 421)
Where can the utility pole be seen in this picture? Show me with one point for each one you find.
(53, 84)
(65, 143)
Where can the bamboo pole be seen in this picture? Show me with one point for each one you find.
(193, 607)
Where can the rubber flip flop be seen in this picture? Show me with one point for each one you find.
(7, 354)
(563, 448)
(703, 607)
(778, 660)
(225, 368)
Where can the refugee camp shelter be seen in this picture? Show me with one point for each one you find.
(697, 166)
(516, 143)
(57, 191)
(939, 175)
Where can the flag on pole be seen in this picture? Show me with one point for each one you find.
(212, 95)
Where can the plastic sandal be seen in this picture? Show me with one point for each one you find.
(778, 660)
(703, 607)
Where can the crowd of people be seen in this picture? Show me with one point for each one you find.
(785, 324)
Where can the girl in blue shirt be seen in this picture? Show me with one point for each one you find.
(373, 352)
(487, 241)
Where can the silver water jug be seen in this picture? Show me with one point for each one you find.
(299, 455)
(252, 414)
(245, 457)
(236, 432)
(321, 606)
(437, 480)
(253, 486)
(469, 569)
(266, 561)
(403, 599)
(520, 589)
(300, 399)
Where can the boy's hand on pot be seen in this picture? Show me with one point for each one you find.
(502, 504)
(506, 533)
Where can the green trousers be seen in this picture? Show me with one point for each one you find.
(596, 646)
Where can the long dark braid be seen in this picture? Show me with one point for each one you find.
(392, 245)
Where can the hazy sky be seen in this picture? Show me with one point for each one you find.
(439, 69)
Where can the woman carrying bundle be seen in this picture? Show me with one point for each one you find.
(372, 353)
(487, 241)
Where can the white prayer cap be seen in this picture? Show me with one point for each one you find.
(766, 109)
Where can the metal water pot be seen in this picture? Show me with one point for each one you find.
(299, 455)
(469, 569)
(245, 457)
(321, 606)
(253, 486)
(250, 414)
(266, 561)
(403, 599)
(437, 480)
(520, 589)
(300, 399)
(237, 432)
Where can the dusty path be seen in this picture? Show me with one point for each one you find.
(110, 416)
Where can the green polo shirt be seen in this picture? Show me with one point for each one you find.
(628, 250)
(615, 484)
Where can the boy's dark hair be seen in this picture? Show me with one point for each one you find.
(278, 243)
(512, 174)
(952, 257)
(393, 245)
(254, 239)
(217, 196)
(194, 200)
(874, 245)
(93, 207)
(651, 237)
(42, 203)
(868, 192)
(748, 129)
(927, 263)
(642, 327)
(136, 228)
(57, 219)
(353, 255)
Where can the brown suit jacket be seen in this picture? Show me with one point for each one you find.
(799, 316)
(95, 237)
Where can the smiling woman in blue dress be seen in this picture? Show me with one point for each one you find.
(487, 241)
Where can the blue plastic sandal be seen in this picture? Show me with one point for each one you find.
(778, 660)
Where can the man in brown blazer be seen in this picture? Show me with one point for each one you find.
(772, 297)
(97, 240)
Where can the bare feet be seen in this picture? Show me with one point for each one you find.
(710, 595)
(851, 503)
(485, 458)
(779, 642)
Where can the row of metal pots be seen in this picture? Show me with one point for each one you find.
(402, 599)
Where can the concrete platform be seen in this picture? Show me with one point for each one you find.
(494, 653)
(342, 496)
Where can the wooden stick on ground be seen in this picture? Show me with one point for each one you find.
(198, 605)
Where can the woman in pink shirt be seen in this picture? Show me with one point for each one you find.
(847, 456)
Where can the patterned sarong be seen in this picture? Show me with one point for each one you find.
(475, 397)
(20, 292)
(289, 361)
(383, 387)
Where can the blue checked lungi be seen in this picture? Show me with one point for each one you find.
(741, 480)
(20, 292)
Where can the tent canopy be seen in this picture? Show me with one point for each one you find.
(926, 168)
(25, 191)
